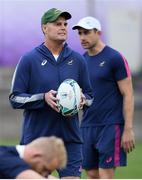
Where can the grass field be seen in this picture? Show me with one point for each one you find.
(132, 171)
(134, 168)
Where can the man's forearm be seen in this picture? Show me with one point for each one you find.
(128, 110)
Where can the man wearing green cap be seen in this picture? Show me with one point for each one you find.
(35, 82)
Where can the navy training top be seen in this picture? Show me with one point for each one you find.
(37, 73)
(105, 69)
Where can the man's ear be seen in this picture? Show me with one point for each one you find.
(35, 154)
(43, 27)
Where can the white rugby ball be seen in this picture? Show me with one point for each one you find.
(69, 95)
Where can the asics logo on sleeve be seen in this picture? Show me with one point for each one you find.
(44, 62)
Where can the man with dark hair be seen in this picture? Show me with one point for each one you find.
(107, 126)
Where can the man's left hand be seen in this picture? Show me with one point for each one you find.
(128, 140)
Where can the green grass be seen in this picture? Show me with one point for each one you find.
(132, 171)
(134, 168)
(8, 142)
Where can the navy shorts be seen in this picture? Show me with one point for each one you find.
(74, 163)
(102, 147)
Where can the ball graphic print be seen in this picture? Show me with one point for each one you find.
(69, 95)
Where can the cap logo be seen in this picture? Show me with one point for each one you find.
(88, 22)
(56, 12)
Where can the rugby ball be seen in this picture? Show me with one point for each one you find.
(69, 97)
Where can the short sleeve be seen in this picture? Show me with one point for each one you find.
(120, 67)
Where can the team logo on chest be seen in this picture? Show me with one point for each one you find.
(44, 62)
(102, 63)
(70, 62)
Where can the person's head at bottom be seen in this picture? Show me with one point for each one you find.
(44, 155)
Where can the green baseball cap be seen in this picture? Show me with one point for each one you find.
(52, 15)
